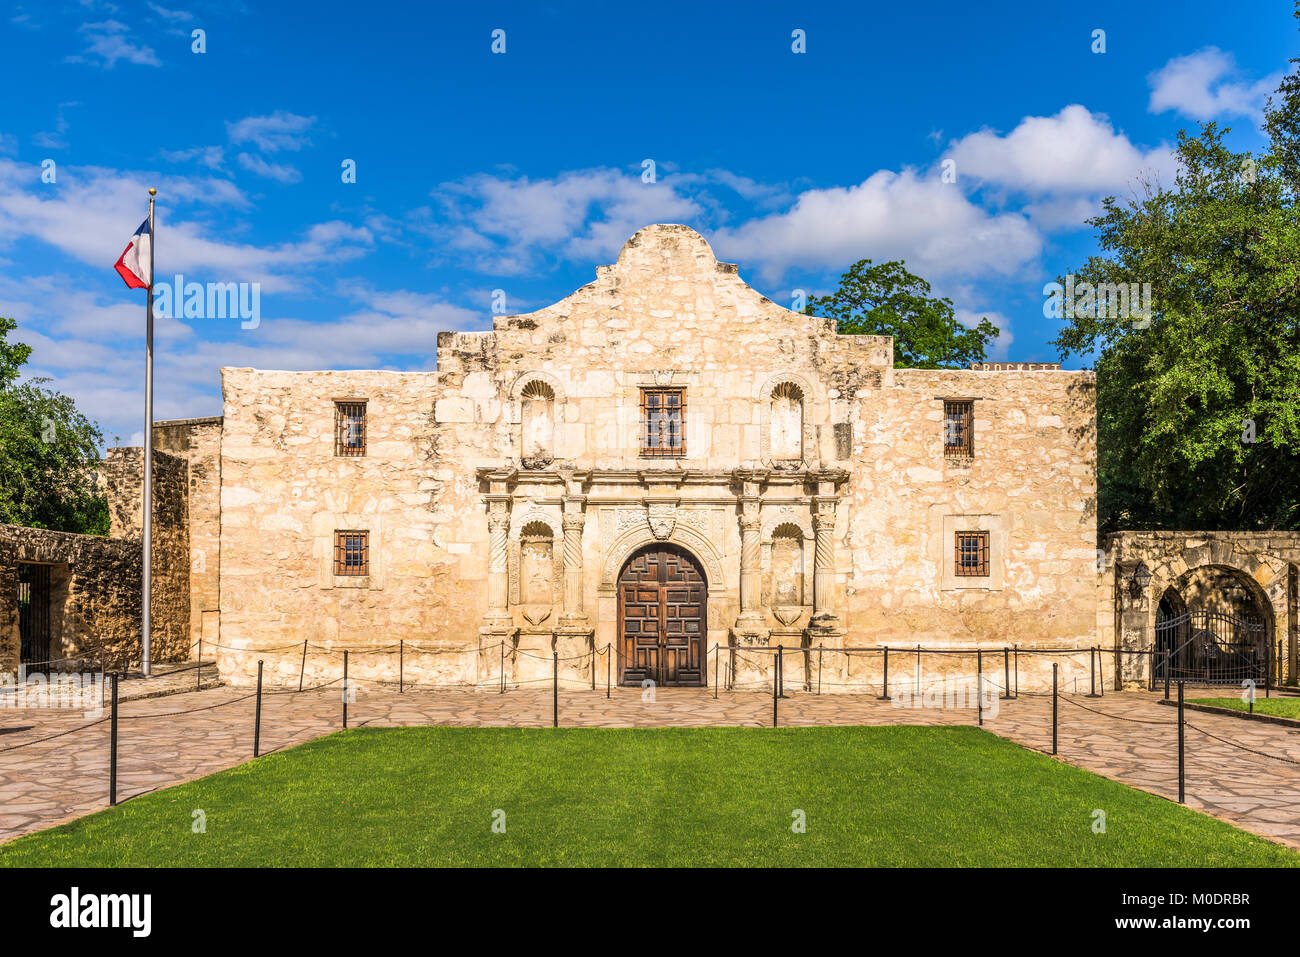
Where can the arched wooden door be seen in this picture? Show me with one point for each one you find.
(662, 610)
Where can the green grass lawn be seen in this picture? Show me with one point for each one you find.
(1280, 707)
(671, 796)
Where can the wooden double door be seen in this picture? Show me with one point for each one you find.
(662, 614)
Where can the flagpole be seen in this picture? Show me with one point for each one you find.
(147, 560)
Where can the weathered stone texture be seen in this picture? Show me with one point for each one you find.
(95, 580)
(814, 484)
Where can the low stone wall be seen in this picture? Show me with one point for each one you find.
(95, 582)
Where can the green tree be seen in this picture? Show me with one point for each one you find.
(1199, 404)
(48, 452)
(887, 300)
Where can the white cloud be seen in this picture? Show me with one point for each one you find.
(108, 42)
(213, 157)
(1075, 151)
(585, 215)
(931, 225)
(274, 132)
(94, 211)
(1206, 84)
(279, 172)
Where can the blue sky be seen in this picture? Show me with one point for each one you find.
(522, 171)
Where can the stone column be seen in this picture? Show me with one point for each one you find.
(498, 613)
(751, 626)
(824, 557)
(574, 521)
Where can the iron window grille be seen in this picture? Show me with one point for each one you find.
(663, 423)
(958, 427)
(972, 554)
(349, 428)
(352, 553)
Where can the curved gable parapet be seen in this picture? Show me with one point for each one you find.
(666, 256)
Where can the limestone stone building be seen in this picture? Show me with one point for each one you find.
(662, 463)
(662, 477)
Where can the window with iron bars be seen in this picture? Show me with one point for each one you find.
(972, 554)
(959, 427)
(349, 428)
(663, 422)
(352, 553)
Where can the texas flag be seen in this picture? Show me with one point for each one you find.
(135, 265)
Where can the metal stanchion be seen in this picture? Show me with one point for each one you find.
(1016, 663)
(112, 747)
(819, 670)
(503, 668)
(1181, 765)
(1092, 672)
(715, 672)
(593, 665)
(555, 689)
(979, 685)
(302, 669)
(198, 672)
(608, 667)
(345, 689)
(1168, 666)
(257, 715)
(885, 696)
(401, 665)
(1054, 706)
(1006, 674)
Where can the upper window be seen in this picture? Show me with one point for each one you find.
(972, 554)
(349, 428)
(959, 427)
(663, 422)
(352, 553)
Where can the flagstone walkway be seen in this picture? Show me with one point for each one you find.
(163, 741)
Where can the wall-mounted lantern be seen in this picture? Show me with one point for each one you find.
(1137, 585)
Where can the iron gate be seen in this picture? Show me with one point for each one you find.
(34, 616)
(1210, 647)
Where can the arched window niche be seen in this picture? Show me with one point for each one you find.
(537, 399)
(786, 425)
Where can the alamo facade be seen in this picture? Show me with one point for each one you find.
(664, 468)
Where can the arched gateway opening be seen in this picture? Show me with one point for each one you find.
(662, 610)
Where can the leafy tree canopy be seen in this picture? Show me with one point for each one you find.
(48, 452)
(1199, 406)
(887, 300)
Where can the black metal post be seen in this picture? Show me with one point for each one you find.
(819, 670)
(257, 716)
(401, 665)
(1092, 672)
(302, 669)
(593, 665)
(774, 695)
(715, 672)
(1054, 705)
(112, 748)
(979, 685)
(1016, 668)
(198, 672)
(503, 668)
(555, 689)
(885, 696)
(1181, 766)
(1168, 666)
(1006, 674)
(345, 689)
(1268, 670)
(608, 666)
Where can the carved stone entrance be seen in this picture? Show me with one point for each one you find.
(662, 610)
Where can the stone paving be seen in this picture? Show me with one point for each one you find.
(162, 741)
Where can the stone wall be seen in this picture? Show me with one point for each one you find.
(1253, 573)
(95, 580)
(814, 489)
(198, 442)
